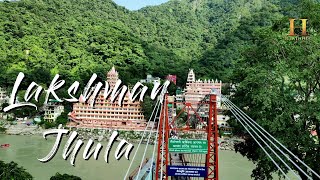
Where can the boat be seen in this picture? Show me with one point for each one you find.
(4, 145)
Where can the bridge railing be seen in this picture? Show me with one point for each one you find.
(135, 172)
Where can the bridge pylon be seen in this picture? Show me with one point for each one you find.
(201, 126)
(212, 137)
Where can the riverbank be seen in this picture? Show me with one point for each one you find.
(23, 129)
(104, 134)
(83, 133)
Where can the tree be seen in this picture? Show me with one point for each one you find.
(13, 171)
(278, 83)
(59, 176)
(62, 119)
(172, 89)
(48, 125)
(147, 107)
(160, 40)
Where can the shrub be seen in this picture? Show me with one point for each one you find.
(59, 176)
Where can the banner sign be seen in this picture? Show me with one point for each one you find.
(194, 146)
(189, 171)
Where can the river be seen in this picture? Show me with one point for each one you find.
(25, 150)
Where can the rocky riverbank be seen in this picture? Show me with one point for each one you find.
(83, 133)
(23, 129)
(228, 143)
(104, 134)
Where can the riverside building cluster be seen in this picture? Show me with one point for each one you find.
(94, 109)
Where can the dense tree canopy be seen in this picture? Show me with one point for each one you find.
(59, 176)
(277, 82)
(238, 41)
(13, 171)
(77, 38)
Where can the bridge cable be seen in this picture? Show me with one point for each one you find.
(241, 121)
(140, 142)
(275, 163)
(145, 149)
(154, 144)
(277, 148)
(250, 119)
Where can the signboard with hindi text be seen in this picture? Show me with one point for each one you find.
(193, 146)
(189, 171)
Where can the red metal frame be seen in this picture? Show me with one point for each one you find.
(212, 156)
(166, 138)
(212, 137)
(163, 122)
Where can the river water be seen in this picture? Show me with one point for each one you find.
(26, 150)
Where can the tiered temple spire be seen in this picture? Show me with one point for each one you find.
(112, 76)
(196, 90)
(105, 114)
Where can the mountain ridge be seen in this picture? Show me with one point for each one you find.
(77, 38)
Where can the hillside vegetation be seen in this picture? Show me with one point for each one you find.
(243, 42)
(77, 38)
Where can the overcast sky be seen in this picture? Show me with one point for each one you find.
(137, 4)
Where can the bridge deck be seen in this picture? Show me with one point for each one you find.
(178, 160)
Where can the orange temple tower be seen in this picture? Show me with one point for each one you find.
(105, 114)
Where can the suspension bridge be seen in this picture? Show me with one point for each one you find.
(185, 143)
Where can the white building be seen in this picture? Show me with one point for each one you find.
(4, 98)
(179, 97)
(150, 79)
(222, 120)
(3, 95)
(52, 110)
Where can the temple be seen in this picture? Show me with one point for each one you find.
(197, 89)
(195, 92)
(105, 114)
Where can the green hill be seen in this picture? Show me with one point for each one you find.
(238, 41)
(78, 38)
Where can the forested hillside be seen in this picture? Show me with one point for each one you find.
(243, 42)
(77, 38)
